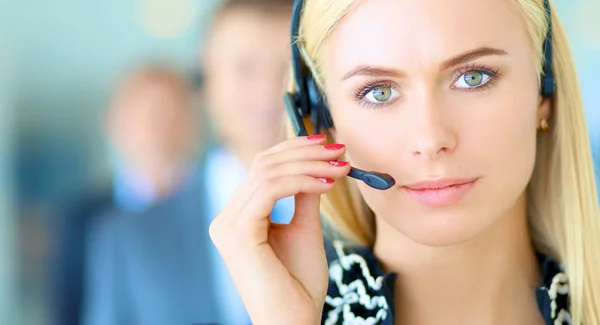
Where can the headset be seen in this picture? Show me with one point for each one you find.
(308, 102)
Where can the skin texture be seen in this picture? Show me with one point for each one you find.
(471, 261)
(430, 130)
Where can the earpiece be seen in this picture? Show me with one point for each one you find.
(307, 101)
(375, 180)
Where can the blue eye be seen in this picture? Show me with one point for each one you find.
(472, 79)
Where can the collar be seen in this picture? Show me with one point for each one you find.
(134, 192)
(360, 292)
(223, 172)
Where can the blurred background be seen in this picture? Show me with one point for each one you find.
(59, 64)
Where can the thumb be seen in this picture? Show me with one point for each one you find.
(306, 212)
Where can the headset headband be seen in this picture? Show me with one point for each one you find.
(548, 85)
(298, 65)
(305, 96)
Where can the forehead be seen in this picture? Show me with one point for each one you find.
(419, 33)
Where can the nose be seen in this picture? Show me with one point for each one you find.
(430, 130)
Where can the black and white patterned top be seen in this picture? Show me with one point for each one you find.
(361, 293)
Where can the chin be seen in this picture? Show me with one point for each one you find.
(442, 229)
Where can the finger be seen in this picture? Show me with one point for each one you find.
(239, 198)
(331, 152)
(256, 212)
(261, 164)
(306, 211)
(295, 143)
(317, 169)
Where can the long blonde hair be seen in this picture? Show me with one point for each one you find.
(563, 210)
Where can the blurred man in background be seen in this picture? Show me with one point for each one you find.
(152, 131)
(160, 267)
(155, 133)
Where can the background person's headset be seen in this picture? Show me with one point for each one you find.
(307, 101)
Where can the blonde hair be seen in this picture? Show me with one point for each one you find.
(563, 210)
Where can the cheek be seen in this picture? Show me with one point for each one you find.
(370, 137)
(502, 141)
(223, 92)
(495, 141)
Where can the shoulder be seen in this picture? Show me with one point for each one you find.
(103, 228)
(185, 203)
(169, 221)
(359, 291)
(101, 243)
(82, 207)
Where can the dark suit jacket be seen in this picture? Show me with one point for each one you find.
(153, 268)
(68, 258)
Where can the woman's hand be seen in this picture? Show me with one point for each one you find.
(280, 270)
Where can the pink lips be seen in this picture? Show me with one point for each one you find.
(440, 192)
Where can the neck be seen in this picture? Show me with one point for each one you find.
(161, 178)
(166, 181)
(489, 280)
(244, 154)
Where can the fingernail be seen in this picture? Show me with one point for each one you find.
(316, 137)
(334, 146)
(326, 180)
(338, 163)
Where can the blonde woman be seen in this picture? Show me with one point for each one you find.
(473, 108)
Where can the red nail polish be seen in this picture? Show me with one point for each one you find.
(338, 163)
(316, 137)
(334, 146)
(326, 180)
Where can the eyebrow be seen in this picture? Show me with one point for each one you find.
(471, 56)
(366, 70)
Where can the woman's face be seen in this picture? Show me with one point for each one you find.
(436, 93)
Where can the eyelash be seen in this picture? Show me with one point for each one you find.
(492, 72)
(362, 92)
